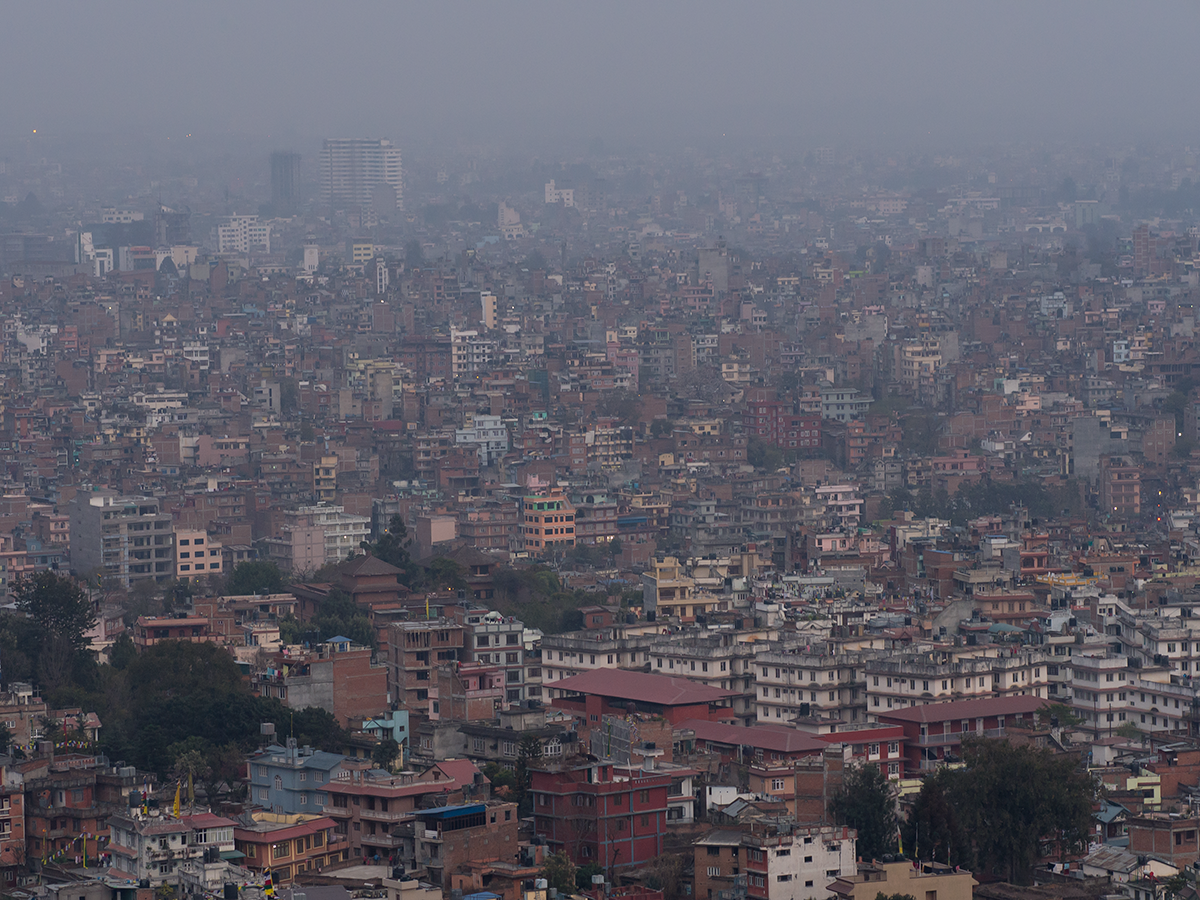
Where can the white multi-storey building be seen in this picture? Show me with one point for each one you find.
(828, 686)
(243, 234)
(488, 434)
(914, 679)
(799, 863)
(352, 168)
(123, 538)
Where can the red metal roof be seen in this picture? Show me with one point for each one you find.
(764, 737)
(964, 709)
(643, 687)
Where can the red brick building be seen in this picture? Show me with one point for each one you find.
(776, 422)
(453, 839)
(936, 730)
(367, 811)
(599, 692)
(882, 746)
(1165, 837)
(766, 743)
(340, 677)
(599, 813)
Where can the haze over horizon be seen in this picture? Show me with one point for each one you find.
(540, 74)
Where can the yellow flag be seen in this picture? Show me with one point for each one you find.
(178, 787)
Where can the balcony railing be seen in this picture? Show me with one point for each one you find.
(955, 737)
(380, 815)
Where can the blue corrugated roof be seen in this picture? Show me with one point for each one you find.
(451, 812)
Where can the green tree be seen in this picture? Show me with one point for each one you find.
(1011, 798)
(622, 405)
(445, 574)
(338, 615)
(559, 872)
(255, 576)
(503, 779)
(762, 455)
(57, 606)
(584, 874)
(224, 770)
(664, 873)
(1175, 885)
(291, 629)
(1129, 731)
(933, 830)
(122, 652)
(392, 548)
(529, 751)
(191, 766)
(1058, 713)
(385, 753)
(865, 803)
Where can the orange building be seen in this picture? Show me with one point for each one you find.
(547, 521)
(290, 845)
(149, 630)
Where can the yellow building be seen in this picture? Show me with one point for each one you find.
(361, 251)
(547, 521)
(930, 882)
(325, 479)
(667, 591)
(196, 554)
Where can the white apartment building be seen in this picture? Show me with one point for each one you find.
(565, 196)
(469, 353)
(121, 537)
(243, 234)
(196, 554)
(719, 659)
(914, 679)
(344, 533)
(575, 652)
(843, 506)
(828, 686)
(1106, 693)
(795, 865)
(197, 353)
(114, 216)
(351, 169)
(488, 434)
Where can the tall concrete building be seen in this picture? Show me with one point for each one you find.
(285, 181)
(123, 538)
(360, 172)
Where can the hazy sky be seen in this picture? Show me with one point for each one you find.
(523, 72)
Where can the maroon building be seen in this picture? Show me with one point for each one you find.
(599, 813)
(935, 731)
(600, 692)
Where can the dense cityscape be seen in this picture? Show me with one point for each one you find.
(389, 516)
